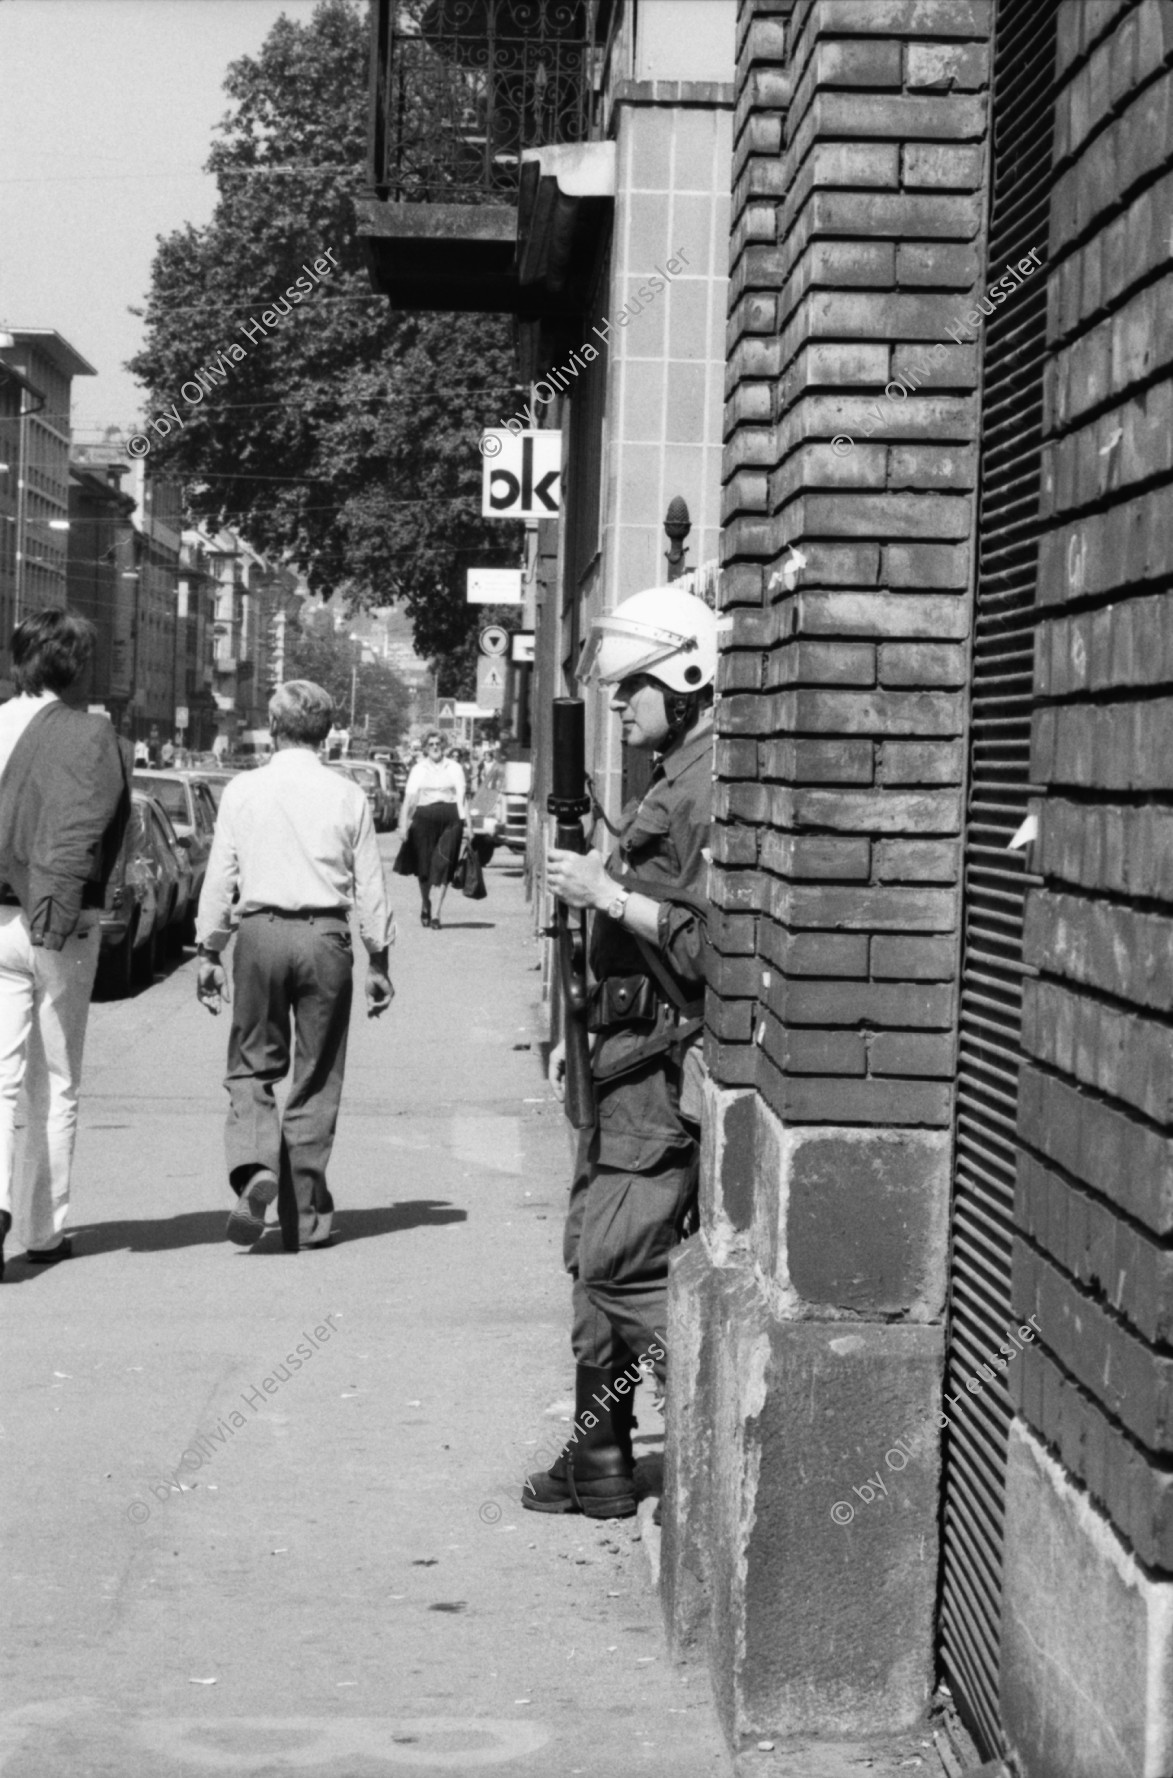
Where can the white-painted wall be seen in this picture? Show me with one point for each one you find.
(693, 42)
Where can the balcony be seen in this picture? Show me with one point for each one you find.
(464, 96)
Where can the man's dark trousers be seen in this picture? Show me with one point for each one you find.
(288, 970)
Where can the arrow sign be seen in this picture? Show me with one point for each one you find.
(522, 478)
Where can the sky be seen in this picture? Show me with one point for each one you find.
(107, 111)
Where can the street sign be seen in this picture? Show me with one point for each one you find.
(181, 714)
(494, 640)
(523, 647)
(475, 711)
(445, 712)
(491, 683)
(495, 586)
(522, 478)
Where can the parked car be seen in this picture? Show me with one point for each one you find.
(130, 919)
(177, 880)
(513, 805)
(191, 807)
(364, 774)
(215, 779)
(389, 795)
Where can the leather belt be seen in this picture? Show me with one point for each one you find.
(299, 913)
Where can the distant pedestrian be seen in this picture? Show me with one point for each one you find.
(64, 805)
(298, 842)
(432, 824)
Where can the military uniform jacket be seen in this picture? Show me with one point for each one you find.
(637, 1057)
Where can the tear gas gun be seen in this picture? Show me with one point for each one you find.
(568, 802)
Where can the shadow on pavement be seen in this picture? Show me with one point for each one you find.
(384, 1219)
(203, 1228)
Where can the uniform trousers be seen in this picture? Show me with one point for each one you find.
(44, 1006)
(289, 974)
(621, 1227)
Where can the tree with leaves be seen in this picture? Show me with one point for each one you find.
(341, 436)
(329, 657)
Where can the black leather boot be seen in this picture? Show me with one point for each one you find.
(594, 1471)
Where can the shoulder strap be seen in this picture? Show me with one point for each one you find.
(670, 990)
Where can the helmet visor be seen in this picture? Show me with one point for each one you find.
(619, 647)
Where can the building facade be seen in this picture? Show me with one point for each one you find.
(921, 1352)
(17, 395)
(100, 557)
(49, 363)
(195, 713)
(254, 602)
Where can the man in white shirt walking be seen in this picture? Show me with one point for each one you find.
(298, 842)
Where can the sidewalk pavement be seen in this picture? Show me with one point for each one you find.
(223, 1560)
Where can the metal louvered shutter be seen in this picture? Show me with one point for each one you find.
(995, 881)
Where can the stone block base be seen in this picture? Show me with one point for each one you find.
(800, 1539)
(1087, 1636)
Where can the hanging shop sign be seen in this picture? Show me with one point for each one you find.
(495, 586)
(523, 478)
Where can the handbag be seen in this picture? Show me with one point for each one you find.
(406, 863)
(469, 876)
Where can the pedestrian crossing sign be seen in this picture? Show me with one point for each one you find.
(491, 682)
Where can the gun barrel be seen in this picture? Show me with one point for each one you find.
(568, 765)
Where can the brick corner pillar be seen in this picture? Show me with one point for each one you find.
(1087, 1569)
(800, 1544)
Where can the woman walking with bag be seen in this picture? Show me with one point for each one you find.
(435, 818)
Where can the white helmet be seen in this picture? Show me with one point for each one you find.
(664, 632)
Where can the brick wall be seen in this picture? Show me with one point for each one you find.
(814, 1297)
(848, 515)
(1094, 1257)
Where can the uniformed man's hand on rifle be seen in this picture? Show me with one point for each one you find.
(579, 878)
(556, 1070)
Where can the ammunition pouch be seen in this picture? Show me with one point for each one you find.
(635, 1023)
(622, 1000)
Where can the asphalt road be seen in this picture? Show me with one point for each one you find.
(338, 1579)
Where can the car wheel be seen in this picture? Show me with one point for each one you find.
(142, 967)
(116, 971)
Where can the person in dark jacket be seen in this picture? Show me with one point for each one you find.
(64, 805)
(633, 1194)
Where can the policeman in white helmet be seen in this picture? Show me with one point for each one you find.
(634, 1189)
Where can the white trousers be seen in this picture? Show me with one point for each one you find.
(44, 1003)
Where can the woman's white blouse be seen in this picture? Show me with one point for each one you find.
(434, 781)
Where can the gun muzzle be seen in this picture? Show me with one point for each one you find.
(568, 799)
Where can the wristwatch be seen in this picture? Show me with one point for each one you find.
(615, 908)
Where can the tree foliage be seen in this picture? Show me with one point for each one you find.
(343, 436)
(327, 656)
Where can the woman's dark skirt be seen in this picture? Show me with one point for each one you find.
(436, 830)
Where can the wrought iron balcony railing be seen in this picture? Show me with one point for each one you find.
(460, 87)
